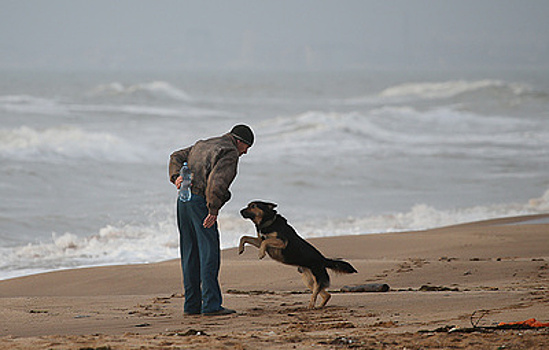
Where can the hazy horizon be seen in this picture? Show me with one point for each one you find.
(268, 35)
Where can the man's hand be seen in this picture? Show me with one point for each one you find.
(209, 221)
(178, 181)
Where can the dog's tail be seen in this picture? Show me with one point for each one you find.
(340, 266)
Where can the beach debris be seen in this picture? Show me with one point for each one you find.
(297, 292)
(489, 289)
(162, 300)
(141, 325)
(529, 323)
(181, 333)
(447, 259)
(192, 332)
(366, 288)
(249, 292)
(483, 329)
(38, 311)
(475, 319)
(480, 259)
(345, 341)
(106, 347)
(426, 288)
(478, 315)
(443, 329)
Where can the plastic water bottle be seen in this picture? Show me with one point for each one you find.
(185, 189)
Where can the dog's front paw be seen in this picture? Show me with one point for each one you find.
(261, 254)
(241, 249)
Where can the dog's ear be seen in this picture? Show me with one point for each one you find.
(268, 205)
(271, 205)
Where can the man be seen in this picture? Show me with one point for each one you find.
(213, 163)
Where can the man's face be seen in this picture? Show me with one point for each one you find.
(242, 147)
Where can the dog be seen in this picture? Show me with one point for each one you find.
(280, 240)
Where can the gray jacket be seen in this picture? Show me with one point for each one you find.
(213, 163)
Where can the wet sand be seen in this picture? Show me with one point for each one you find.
(478, 274)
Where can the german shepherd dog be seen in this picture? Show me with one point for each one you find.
(278, 239)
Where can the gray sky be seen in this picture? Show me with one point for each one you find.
(276, 34)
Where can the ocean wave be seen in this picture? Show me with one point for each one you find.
(112, 245)
(159, 240)
(441, 90)
(410, 92)
(32, 104)
(148, 110)
(65, 142)
(403, 130)
(420, 217)
(27, 104)
(160, 89)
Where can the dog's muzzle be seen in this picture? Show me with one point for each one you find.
(247, 214)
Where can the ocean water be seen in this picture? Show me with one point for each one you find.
(83, 155)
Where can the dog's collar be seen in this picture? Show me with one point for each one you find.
(266, 224)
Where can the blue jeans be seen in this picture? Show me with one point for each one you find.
(200, 257)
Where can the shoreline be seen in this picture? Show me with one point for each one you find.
(499, 265)
(507, 220)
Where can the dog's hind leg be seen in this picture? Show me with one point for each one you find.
(310, 282)
(325, 297)
(321, 282)
(316, 290)
(307, 277)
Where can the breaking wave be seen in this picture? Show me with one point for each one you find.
(31, 104)
(65, 142)
(430, 91)
(385, 130)
(160, 89)
(449, 89)
(27, 104)
(159, 240)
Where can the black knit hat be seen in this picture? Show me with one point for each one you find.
(243, 133)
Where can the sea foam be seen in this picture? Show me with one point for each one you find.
(453, 88)
(65, 142)
(430, 91)
(159, 240)
(159, 89)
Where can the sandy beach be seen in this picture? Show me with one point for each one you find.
(442, 283)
